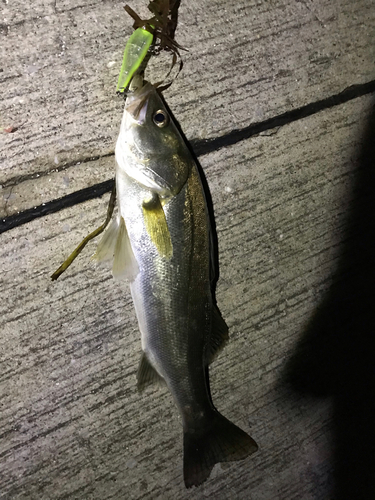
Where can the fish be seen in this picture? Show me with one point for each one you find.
(161, 242)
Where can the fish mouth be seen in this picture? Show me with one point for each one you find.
(136, 103)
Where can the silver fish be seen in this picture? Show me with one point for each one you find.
(161, 242)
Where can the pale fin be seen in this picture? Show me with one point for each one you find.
(125, 265)
(218, 336)
(147, 374)
(106, 246)
(157, 227)
(215, 440)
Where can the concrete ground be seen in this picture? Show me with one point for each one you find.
(277, 101)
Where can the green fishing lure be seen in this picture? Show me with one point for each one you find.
(135, 52)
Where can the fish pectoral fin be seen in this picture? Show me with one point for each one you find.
(147, 374)
(218, 336)
(115, 245)
(157, 227)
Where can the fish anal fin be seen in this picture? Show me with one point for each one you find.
(216, 440)
(218, 335)
(147, 374)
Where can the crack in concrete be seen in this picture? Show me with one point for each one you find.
(198, 147)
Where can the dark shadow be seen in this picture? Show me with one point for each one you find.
(336, 356)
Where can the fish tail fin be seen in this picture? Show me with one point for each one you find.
(218, 440)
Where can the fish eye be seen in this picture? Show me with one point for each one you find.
(160, 118)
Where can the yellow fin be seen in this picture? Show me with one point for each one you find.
(157, 227)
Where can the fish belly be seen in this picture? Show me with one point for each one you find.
(172, 296)
(173, 302)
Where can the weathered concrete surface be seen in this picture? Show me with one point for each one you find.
(72, 423)
(55, 184)
(248, 61)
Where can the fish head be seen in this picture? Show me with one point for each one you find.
(150, 148)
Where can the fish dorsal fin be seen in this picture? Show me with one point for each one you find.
(115, 245)
(147, 374)
(218, 336)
